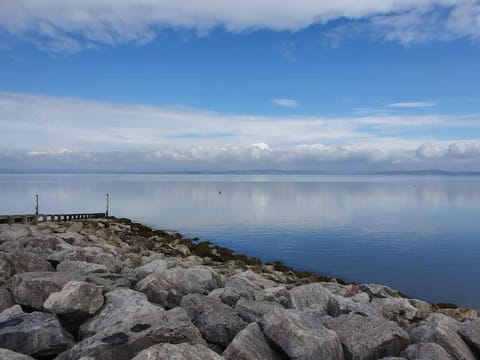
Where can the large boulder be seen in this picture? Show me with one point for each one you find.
(339, 305)
(121, 306)
(33, 288)
(96, 255)
(109, 281)
(441, 329)
(278, 294)
(253, 311)
(395, 308)
(379, 291)
(251, 344)
(12, 355)
(314, 295)
(217, 322)
(80, 267)
(20, 262)
(427, 351)
(228, 296)
(182, 351)
(125, 339)
(155, 266)
(469, 330)
(36, 334)
(301, 336)
(168, 287)
(368, 338)
(13, 232)
(6, 299)
(77, 299)
(248, 283)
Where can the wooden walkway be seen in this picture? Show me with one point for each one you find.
(35, 219)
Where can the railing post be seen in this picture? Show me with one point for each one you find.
(107, 198)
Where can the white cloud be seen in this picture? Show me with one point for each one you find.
(413, 104)
(285, 102)
(68, 25)
(44, 132)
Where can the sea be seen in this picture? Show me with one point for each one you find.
(417, 234)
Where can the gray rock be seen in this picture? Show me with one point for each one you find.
(13, 232)
(424, 309)
(76, 298)
(6, 299)
(251, 344)
(121, 306)
(33, 288)
(395, 308)
(379, 291)
(441, 329)
(155, 266)
(301, 336)
(168, 287)
(182, 351)
(253, 311)
(339, 305)
(109, 281)
(12, 355)
(76, 227)
(314, 295)
(14, 311)
(248, 283)
(278, 294)
(369, 338)
(470, 332)
(125, 339)
(217, 322)
(426, 351)
(228, 296)
(36, 334)
(20, 262)
(80, 267)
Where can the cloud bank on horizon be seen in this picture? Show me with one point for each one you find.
(54, 133)
(71, 26)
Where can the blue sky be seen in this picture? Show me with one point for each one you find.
(370, 86)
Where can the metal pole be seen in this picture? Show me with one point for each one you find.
(36, 204)
(107, 204)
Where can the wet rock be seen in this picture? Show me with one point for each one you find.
(177, 352)
(395, 308)
(155, 266)
(217, 322)
(251, 344)
(109, 281)
(365, 337)
(76, 299)
(12, 355)
(440, 329)
(36, 334)
(253, 311)
(469, 330)
(33, 288)
(167, 288)
(301, 336)
(228, 296)
(247, 283)
(121, 306)
(6, 299)
(314, 295)
(125, 339)
(80, 267)
(427, 351)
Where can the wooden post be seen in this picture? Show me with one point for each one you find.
(107, 198)
(36, 204)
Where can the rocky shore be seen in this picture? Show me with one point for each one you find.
(114, 289)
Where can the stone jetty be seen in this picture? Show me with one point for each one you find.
(97, 289)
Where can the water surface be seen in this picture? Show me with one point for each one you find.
(417, 234)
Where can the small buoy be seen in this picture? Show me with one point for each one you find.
(219, 193)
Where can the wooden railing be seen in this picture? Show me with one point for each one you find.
(35, 219)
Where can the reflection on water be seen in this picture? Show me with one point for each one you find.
(417, 234)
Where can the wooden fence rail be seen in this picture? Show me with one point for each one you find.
(35, 219)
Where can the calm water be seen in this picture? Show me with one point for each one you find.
(417, 234)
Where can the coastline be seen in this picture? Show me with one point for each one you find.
(117, 288)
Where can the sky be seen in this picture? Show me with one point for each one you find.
(226, 85)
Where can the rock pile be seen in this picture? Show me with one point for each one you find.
(113, 289)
